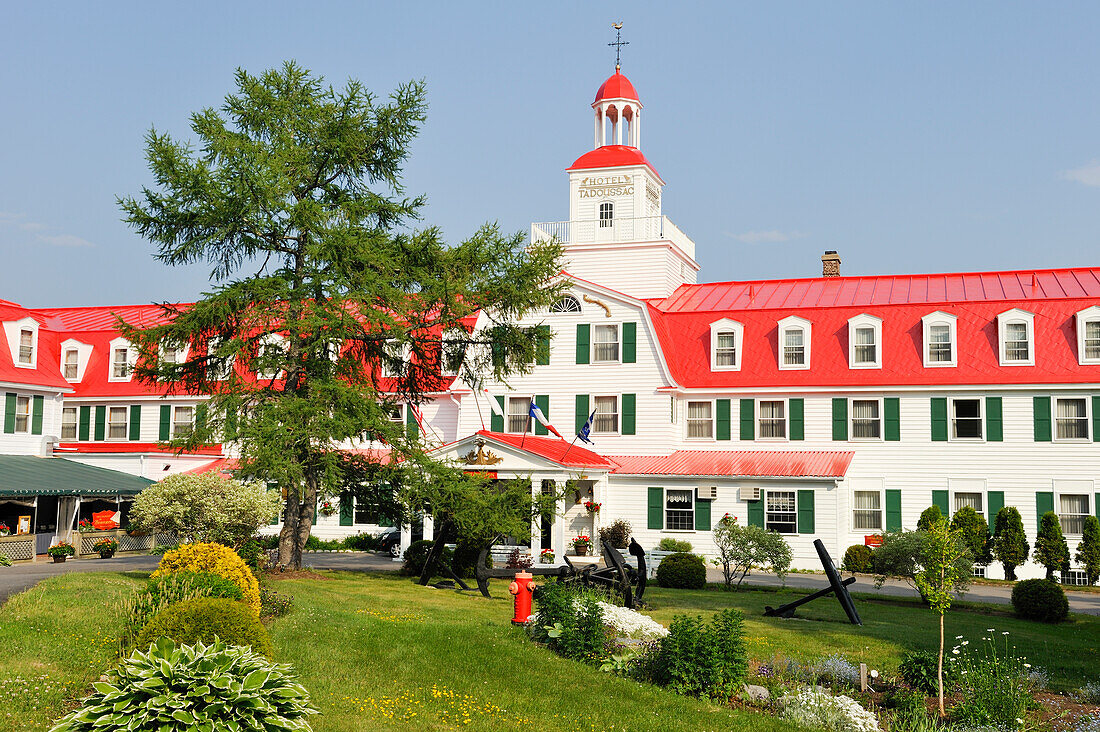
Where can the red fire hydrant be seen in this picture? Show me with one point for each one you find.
(522, 587)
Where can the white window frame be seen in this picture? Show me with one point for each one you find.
(273, 341)
(528, 423)
(688, 420)
(955, 486)
(125, 411)
(443, 353)
(721, 327)
(32, 357)
(790, 323)
(768, 493)
(223, 371)
(939, 318)
(665, 509)
(1086, 488)
(1016, 315)
(881, 510)
(355, 502)
(1083, 318)
(592, 344)
(1055, 398)
(864, 321)
(852, 419)
(65, 364)
(786, 421)
(609, 221)
(951, 419)
(23, 399)
(566, 308)
(181, 353)
(113, 346)
(176, 421)
(83, 352)
(13, 331)
(618, 414)
(75, 424)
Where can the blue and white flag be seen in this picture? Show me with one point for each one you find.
(536, 414)
(587, 429)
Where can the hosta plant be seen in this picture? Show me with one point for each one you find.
(199, 687)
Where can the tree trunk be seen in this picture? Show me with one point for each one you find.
(939, 670)
(297, 525)
(1010, 572)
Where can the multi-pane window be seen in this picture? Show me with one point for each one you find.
(866, 419)
(395, 413)
(966, 419)
(453, 352)
(605, 343)
(773, 419)
(116, 423)
(394, 356)
(1073, 509)
(68, 423)
(22, 413)
(72, 363)
(865, 348)
(607, 414)
(170, 355)
(699, 421)
(973, 500)
(679, 509)
(939, 344)
(794, 347)
(1017, 346)
(607, 215)
(519, 410)
(183, 421)
(1092, 339)
(26, 346)
(567, 304)
(365, 512)
(867, 510)
(725, 348)
(780, 512)
(120, 363)
(217, 370)
(1071, 419)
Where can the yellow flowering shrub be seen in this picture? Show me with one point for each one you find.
(216, 559)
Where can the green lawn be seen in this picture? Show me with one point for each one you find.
(379, 653)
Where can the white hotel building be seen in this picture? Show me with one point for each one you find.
(832, 407)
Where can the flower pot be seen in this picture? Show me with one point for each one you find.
(106, 555)
(60, 559)
(581, 551)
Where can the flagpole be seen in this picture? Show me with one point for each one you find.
(526, 427)
(570, 447)
(477, 403)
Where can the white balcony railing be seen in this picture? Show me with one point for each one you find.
(642, 228)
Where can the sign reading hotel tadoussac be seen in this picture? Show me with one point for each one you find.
(606, 185)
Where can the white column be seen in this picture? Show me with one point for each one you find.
(598, 128)
(619, 128)
(637, 126)
(406, 540)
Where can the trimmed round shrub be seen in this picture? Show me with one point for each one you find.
(858, 558)
(156, 689)
(682, 571)
(216, 559)
(207, 619)
(1040, 599)
(188, 585)
(417, 554)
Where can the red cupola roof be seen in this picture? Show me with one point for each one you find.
(612, 156)
(617, 86)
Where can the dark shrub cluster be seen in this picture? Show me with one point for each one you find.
(1040, 599)
(858, 558)
(207, 619)
(918, 670)
(700, 659)
(682, 571)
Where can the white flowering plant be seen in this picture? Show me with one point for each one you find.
(629, 623)
(818, 709)
(994, 682)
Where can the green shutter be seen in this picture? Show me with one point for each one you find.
(892, 407)
(702, 515)
(939, 419)
(496, 421)
(200, 421)
(722, 406)
(9, 413)
(100, 423)
(231, 422)
(1041, 405)
(1096, 419)
(135, 422)
(893, 510)
(1097, 505)
(1044, 503)
(756, 513)
(165, 422)
(806, 512)
(840, 419)
(630, 342)
(940, 498)
(995, 501)
(85, 424)
(412, 429)
(656, 508)
(583, 331)
(36, 414)
(580, 413)
(797, 410)
(630, 408)
(542, 349)
(994, 420)
(347, 510)
(748, 421)
(543, 403)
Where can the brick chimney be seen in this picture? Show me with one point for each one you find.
(830, 264)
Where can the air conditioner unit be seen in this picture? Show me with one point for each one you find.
(706, 492)
(748, 494)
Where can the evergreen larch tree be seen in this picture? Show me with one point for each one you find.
(1088, 549)
(320, 286)
(1010, 546)
(1051, 550)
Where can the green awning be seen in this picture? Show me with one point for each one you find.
(27, 475)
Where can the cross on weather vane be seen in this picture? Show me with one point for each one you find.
(618, 44)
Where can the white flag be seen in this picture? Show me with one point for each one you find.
(493, 404)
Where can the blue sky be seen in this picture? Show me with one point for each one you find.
(912, 138)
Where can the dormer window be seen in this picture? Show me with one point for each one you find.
(607, 215)
(394, 359)
(1016, 329)
(71, 364)
(120, 363)
(26, 347)
(794, 343)
(725, 345)
(271, 356)
(22, 340)
(865, 342)
(1088, 336)
(940, 347)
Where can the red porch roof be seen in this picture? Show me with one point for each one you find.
(740, 463)
(550, 448)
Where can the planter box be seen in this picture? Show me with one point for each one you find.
(126, 543)
(18, 548)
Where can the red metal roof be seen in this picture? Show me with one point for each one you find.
(550, 448)
(133, 447)
(612, 156)
(617, 86)
(740, 463)
(47, 367)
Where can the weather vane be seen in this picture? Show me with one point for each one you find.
(619, 43)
